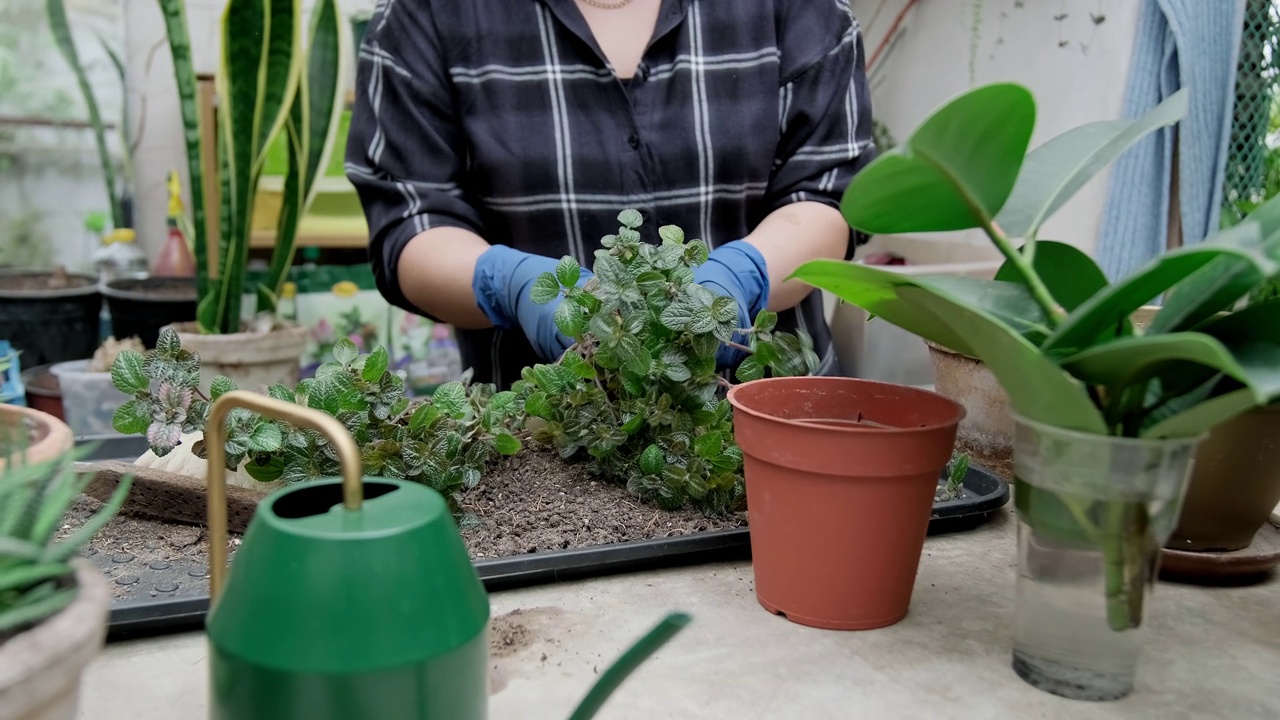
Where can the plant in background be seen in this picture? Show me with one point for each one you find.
(637, 391)
(36, 577)
(956, 471)
(1050, 326)
(267, 85)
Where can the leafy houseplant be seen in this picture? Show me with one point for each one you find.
(637, 393)
(53, 609)
(1107, 417)
(266, 84)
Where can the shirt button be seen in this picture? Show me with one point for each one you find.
(634, 141)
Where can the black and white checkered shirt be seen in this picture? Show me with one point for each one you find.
(504, 117)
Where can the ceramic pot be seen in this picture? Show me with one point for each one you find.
(252, 360)
(840, 477)
(1093, 512)
(40, 668)
(986, 433)
(48, 437)
(1234, 485)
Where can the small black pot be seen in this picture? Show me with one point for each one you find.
(142, 307)
(49, 325)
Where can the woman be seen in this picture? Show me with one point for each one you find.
(492, 137)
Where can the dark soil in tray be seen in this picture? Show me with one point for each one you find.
(40, 281)
(532, 503)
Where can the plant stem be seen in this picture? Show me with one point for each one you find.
(739, 346)
(1039, 291)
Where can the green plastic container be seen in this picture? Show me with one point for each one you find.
(333, 614)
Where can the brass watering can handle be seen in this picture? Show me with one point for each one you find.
(214, 442)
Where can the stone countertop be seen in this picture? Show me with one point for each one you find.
(1208, 652)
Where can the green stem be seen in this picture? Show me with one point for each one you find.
(621, 668)
(1039, 291)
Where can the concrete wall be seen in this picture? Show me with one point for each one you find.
(1076, 65)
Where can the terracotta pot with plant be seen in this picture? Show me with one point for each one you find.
(841, 476)
(1106, 417)
(53, 608)
(265, 87)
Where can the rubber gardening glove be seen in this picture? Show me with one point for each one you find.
(503, 280)
(736, 270)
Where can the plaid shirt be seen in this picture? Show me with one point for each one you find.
(503, 117)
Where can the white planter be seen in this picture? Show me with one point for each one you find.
(253, 361)
(40, 669)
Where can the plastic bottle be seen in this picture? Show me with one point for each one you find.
(444, 359)
(287, 307)
(119, 256)
(174, 258)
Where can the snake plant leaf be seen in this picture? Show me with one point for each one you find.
(256, 83)
(1037, 388)
(1055, 171)
(1071, 276)
(1112, 306)
(311, 128)
(953, 173)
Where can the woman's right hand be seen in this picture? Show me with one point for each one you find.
(503, 282)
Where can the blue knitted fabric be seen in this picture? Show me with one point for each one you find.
(1178, 43)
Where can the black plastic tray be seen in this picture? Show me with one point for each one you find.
(172, 611)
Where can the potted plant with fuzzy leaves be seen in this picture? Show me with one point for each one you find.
(267, 84)
(1107, 417)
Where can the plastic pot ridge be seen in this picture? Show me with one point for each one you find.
(840, 476)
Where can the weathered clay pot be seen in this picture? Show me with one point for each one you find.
(986, 433)
(252, 360)
(40, 668)
(48, 437)
(1234, 484)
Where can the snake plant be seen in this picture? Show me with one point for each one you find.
(1050, 326)
(267, 84)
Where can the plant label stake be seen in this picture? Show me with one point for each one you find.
(353, 598)
(350, 598)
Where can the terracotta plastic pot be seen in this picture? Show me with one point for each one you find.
(43, 392)
(1234, 485)
(840, 477)
(252, 360)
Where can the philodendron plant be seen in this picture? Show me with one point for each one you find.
(267, 83)
(1052, 329)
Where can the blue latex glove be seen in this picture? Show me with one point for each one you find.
(736, 270)
(502, 282)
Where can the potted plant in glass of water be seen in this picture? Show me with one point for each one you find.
(1107, 418)
(53, 608)
(267, 84)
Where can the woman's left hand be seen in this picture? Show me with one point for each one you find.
(736, 270)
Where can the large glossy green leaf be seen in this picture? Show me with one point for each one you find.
(256, 82)
(312, 128)
(1008, 302)
(1112, 306)
(1130, 359)
(1206, 292)
(1203, 417)
(954, 172)
(1055, 171)
(1259, 322)
(1037, 388)
(1071, 276)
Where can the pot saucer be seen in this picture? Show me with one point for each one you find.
(1226, 568)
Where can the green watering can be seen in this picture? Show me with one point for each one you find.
(352, 598)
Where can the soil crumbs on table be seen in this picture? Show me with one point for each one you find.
(534, 502)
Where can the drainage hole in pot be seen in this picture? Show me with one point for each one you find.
(319, 499)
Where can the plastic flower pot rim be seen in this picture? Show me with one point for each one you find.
(740, 404)
(90, 288)
(1121, 440)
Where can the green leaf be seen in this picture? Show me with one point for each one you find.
(766, 321)
(671, 234)
(127, 374)
(697, 253)
(507, 444)
(266, 437)
(632, 354)
(652, 460)
(132, 418)
(423, 416)
(1071, 276)
(375, 365)
(568, 272)
(1203, 417)
(345, 352)
(280, 392)
(25, 613)
(569, 319)
(724, 309)
(630, 219)
(1109, 308)
(1054, 172)
(702, 321)
(750, 369)
(451, 399)
(1037, 388)
(953, 173)
(545, 289)
(708, 445)
(220, 386)
(677, 315)
(539, 405)
(269, 471)
(1204, 293)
